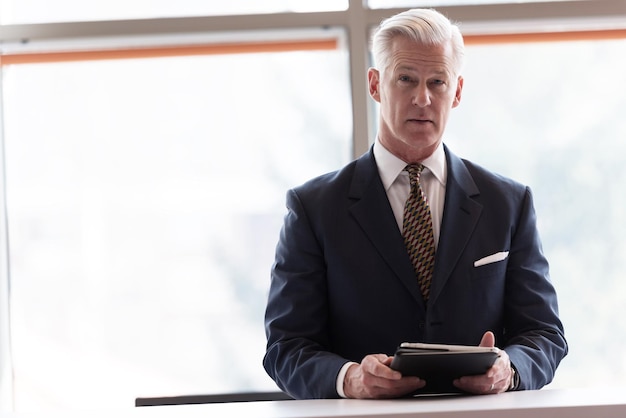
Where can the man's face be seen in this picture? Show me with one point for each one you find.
(416, 93)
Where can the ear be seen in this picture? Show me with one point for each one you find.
(457, 94)
(373, 78)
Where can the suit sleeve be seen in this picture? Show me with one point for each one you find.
(298, 356)
(534, 335)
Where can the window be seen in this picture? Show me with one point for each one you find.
(42, 11)
(145, 170)
(549, 115)
(144, 202)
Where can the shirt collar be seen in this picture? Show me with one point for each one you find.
(390, 166)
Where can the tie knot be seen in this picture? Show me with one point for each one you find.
(414, 170)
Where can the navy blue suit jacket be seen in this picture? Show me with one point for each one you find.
(343, 287)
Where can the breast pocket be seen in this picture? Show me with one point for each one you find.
(487, 286)
(490, 271)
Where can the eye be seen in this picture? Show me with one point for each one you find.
(438, 83)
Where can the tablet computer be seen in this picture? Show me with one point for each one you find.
(440, 364)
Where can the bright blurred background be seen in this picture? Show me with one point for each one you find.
(144, 196)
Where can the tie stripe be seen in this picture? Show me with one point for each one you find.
(417, 230)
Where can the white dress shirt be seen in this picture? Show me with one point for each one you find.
(396, 182)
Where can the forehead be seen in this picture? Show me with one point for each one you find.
(406, 53)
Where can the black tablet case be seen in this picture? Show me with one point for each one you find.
(439, 368)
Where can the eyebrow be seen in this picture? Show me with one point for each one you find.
(439, 71)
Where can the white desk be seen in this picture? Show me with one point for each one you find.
(547, 403)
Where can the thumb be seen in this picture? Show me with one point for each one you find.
(488, 340)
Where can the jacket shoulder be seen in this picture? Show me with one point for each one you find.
(339, 181)
(485, 178)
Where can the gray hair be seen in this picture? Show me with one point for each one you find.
(423, 26)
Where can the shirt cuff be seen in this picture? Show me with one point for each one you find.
(341, 376)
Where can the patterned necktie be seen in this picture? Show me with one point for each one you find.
(417, 230)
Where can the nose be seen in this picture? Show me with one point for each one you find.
(421, 97)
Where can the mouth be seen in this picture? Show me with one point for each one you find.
(420, 121)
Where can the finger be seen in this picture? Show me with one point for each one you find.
(370, 385)
(475, 384)
(501, 368)
(387, 361)
(488, 340)
(378, 365)
(396, 388)
(386, 382)
(481, 384)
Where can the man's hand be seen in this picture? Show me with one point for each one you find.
(496, 380)
(373, 378)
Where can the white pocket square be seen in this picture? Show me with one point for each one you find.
(493, 258)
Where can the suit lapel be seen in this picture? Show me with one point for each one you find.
(461, 213)
(372, 212)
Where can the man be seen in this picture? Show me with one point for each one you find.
(345, 292)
